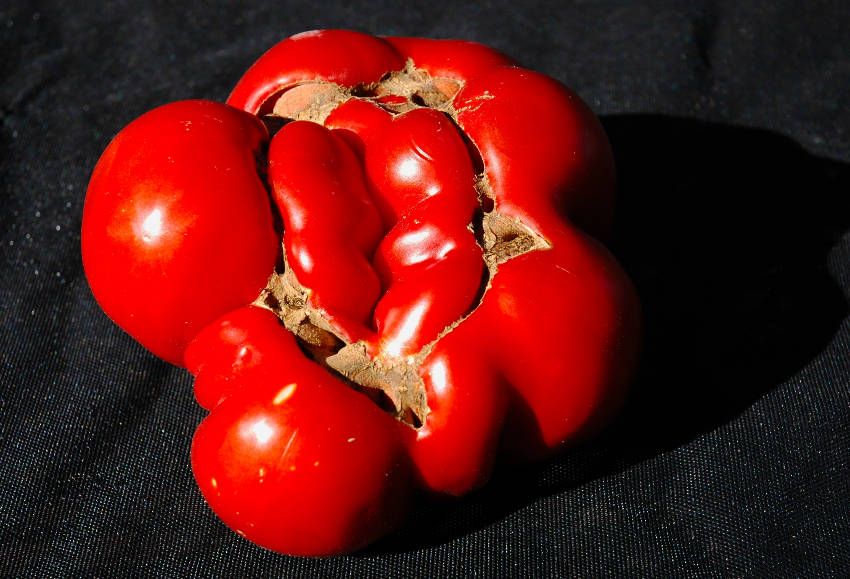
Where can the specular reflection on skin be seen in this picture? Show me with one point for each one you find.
(152, 226)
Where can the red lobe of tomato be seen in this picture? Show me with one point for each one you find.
(292, 458)
(177, 228)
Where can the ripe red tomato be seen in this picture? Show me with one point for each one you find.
(402, 285)
(177, 228)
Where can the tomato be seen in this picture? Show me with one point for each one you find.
(405, 284)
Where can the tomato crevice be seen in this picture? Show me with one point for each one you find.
(397, 92)
(390, 377)
(396, 385)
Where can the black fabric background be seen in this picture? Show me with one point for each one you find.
(730, 123)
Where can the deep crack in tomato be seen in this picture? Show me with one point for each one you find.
(439, 298)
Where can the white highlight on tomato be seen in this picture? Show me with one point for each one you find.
(152, 226)
(262, 431)
(411, 323)
(285, 394)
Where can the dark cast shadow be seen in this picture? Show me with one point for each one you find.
(726, 233)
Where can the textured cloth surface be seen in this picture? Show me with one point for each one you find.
(730, 122)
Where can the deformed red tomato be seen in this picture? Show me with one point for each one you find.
(403, 284)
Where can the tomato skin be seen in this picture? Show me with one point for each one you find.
(297, 485)
(292, 458)
(543, 169)
(345, 57)
(583, 349)
(422, 181)
(456, 448)
(332, 227)
(243, 342)
(177, 227)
